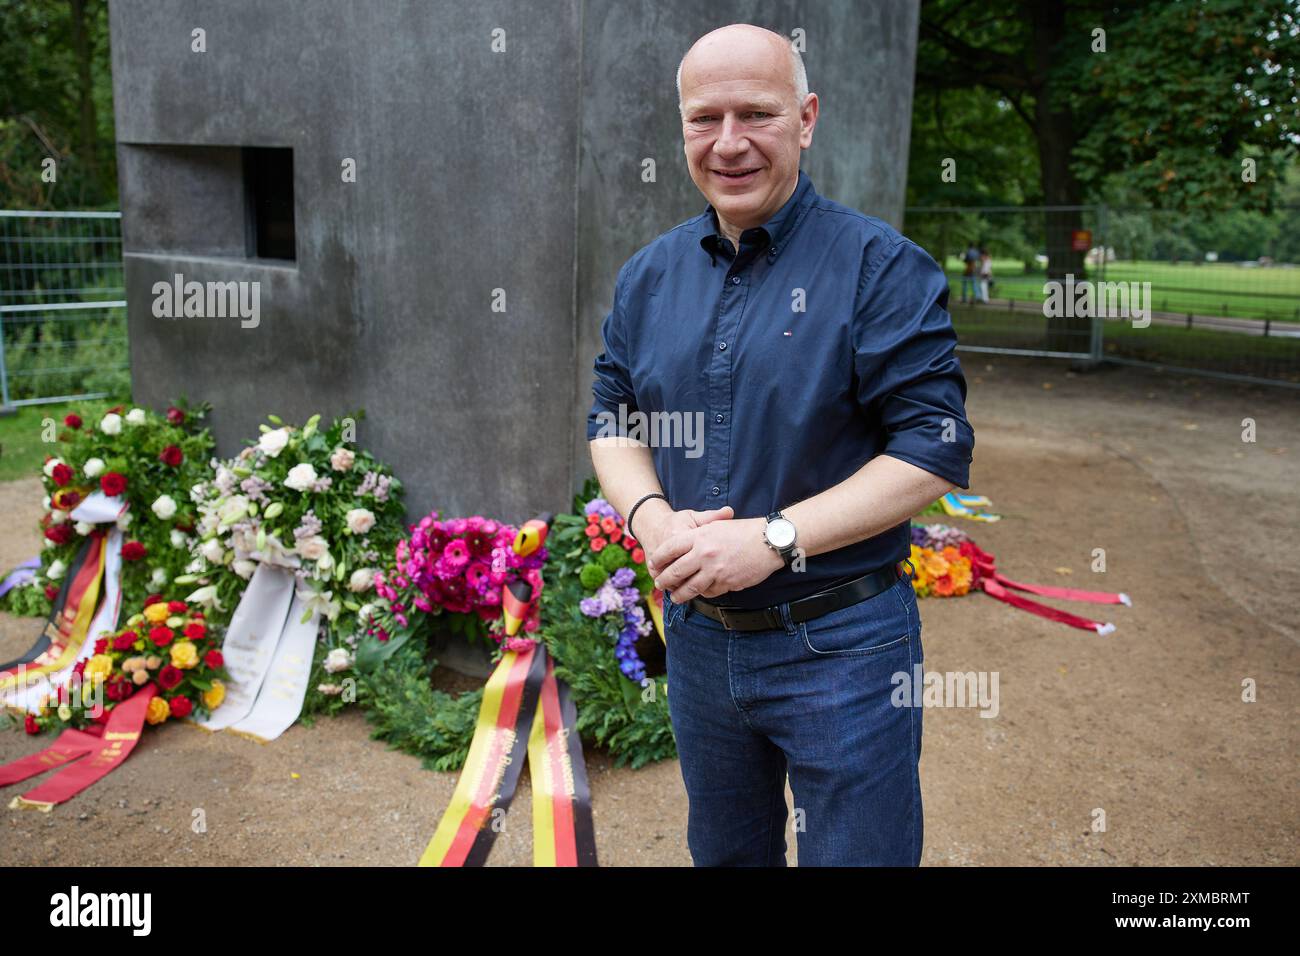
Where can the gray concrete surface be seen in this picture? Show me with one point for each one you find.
(476, 171)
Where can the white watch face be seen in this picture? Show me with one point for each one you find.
(780, 533)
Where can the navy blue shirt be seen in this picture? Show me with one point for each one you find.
(779, 371)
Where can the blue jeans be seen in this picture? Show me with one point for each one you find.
(812, 700)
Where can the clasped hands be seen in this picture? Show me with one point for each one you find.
(706, 553)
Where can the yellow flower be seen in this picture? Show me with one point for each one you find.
(98, 668)
(65, 712)
(156, 613)
(212, 698)
(185, 655)
(159, 710)
(175, 621)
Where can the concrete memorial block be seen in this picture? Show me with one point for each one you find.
(433, 201)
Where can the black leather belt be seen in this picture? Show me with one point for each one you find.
(806, 608)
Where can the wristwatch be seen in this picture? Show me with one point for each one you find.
(780, 536)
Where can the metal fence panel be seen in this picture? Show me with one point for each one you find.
(62, 307)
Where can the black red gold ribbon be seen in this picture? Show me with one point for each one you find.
(74, 608)
(525, 710)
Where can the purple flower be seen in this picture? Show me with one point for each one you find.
(623, 577)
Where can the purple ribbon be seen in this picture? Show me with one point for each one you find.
(19, 575)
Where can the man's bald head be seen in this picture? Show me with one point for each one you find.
(745, 41)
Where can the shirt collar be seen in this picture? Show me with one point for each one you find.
(775, 230)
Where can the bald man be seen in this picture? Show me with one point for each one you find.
(812, 344)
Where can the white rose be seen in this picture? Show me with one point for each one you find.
(164, 507)
(111, 424)
(301, 477)
(135, 416)
(58, 516)
(244, 568)
(273, 442)
(342, 459)
(56, 570)
(50, 466)
(212, 550)
(178, 539)
(313, 548)
(83, 528)
(337, 660)
(124, 521)
(94, 467)
(361, 580)
(232, 509)
(360, 520)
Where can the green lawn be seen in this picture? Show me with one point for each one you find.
(21, 449)
(1211, 288)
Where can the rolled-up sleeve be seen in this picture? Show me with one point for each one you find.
(612, 385)
(909, 377)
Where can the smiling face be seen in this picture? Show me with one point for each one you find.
(742, 124)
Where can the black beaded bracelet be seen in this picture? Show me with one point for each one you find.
(640, 501)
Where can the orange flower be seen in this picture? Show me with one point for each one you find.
(942, 586)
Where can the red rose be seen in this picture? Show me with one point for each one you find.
(79, 668)
(101, 645)
(72, 420)
(638, 555)
(152, 599)
(592, 529)
(118, 689)
(31, 726)
(124, 640)
(175, 415)
(214, 659)
(598, 543)
(113, 483)
(169, 677)
(593, 518)
(133, 551)
(180, 706)
(195, 631)
(629, 541)
(162, 636)
(176, 607)
(171, 455)
(61, 474)
(68, 499)
(198, 614)
(607, 525)
(59, 533)
(616, 534)
(51, 592)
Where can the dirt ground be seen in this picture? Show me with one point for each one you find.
(1146, 724)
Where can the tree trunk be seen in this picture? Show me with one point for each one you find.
(89, 136)
(1055, 134)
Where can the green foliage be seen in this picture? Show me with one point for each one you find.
(592, 576)
(56, 101)
(613, 557)
(412, 717)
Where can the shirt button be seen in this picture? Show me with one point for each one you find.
(722, 346)
(717, 418)
(717, 490)
(735, 280)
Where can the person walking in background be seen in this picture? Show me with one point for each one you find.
(969, 260)
(985, 275)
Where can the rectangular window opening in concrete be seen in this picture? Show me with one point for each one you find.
(268, 197)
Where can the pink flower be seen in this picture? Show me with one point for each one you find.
(456, 554)
(477, 575)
